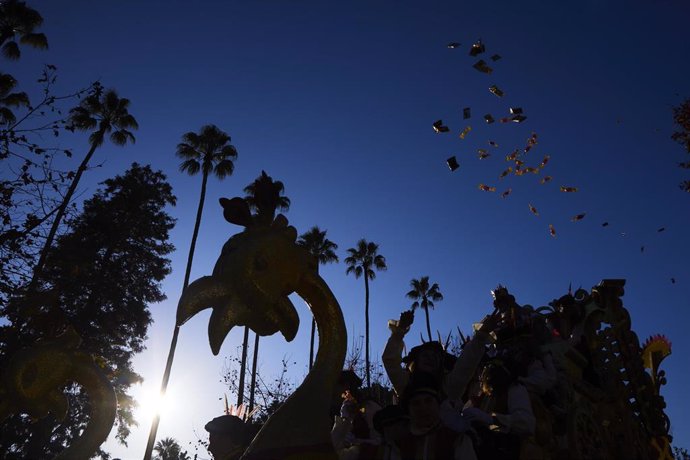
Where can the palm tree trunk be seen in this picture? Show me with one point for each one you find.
(428, 326)
(366, 325)
(176, 331)
(38, 269)
(243, 366)
(252, 386)
(311, 345)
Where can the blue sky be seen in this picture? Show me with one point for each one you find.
(336, 99)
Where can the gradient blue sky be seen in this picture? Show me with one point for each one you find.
(336, 99)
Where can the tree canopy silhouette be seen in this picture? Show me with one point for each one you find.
(17, 24)
(101, 278)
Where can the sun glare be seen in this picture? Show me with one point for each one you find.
(152, 402)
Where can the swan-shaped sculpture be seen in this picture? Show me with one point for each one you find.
(33, 381)
(257, 270)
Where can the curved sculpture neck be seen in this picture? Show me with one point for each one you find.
(301, 427)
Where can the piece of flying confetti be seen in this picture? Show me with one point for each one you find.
(439, 127)
(496, 91)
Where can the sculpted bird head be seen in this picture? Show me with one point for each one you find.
(256, 271)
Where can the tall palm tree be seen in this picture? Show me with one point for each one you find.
(363, 260)
(263, 196)
(106, 114)
(424, 297)
(17, 22)
(323, 250)
(210, 152)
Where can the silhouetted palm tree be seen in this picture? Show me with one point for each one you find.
(104, 113)
(10, 99)
(17, 22)
(210, 152)
(264, 197)
(363, 260)
(323, 249)
(424, 297)
(169, 449)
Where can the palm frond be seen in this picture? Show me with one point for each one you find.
(11, 50)
(191, 166)
(39, 41)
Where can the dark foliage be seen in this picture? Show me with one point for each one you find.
(681, 118)
(101, 276)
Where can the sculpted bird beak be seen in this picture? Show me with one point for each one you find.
(262, 315)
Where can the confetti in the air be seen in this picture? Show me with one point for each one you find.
(661, 229)
(545, 179)
(453, 45)
(515, 110)
(466, 113)
(465, 132)
(493, 144)
(486, 188)
(544, 161)
(506, 172)
(483, 154)
(533, 210)
(495, 57)
(477, 48)
(673, 281)
(641, 248)
(496, 91)
(605, 224)
(512, 156)
(578, 217)
(506, 193)
(552, 230)
(531, 169)
(452, 163)
(488, 118)
(568, 189)
(483, 67)
(517, 118)
(439, 127)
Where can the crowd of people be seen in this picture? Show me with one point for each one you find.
(478, 405)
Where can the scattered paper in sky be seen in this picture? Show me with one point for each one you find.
(477, 48)
(483, 67)
(439, 127)
(495, 90)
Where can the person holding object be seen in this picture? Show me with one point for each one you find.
(455, 374)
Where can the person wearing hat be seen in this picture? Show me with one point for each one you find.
(228, 437)
(455, 374)
(428, 437)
